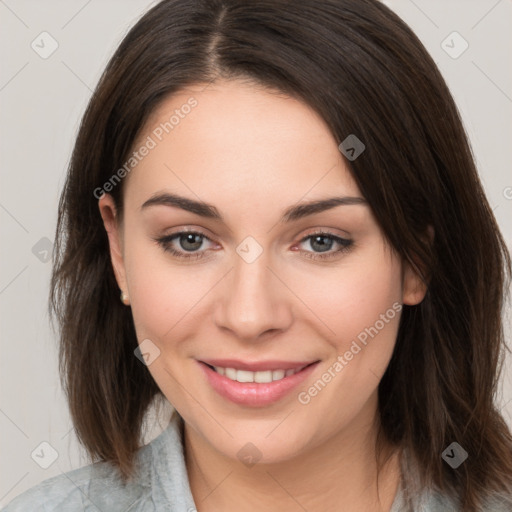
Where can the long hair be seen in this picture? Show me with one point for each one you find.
(365, 73)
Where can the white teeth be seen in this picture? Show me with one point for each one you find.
(244, 376)
(261, 377)
(278, 374)
(230, 373)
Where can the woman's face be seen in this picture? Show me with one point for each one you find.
(255, 288)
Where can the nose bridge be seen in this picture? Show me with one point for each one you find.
(253, 300)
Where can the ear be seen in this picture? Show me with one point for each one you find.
(108, 211)
(414, 288)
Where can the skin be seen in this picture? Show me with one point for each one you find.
(252, 153)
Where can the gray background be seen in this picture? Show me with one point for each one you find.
(42, 100)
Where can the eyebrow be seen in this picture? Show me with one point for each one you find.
(291, 214)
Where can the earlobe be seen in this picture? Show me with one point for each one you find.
(414, 285)
(414, 288)
(108, 212)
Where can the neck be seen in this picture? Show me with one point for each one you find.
(339, 474)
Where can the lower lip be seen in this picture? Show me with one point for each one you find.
(255, 394)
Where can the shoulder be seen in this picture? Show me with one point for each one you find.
(160, 482)
(498, 503)
(97, 486)
(440, 502)
(411, 496)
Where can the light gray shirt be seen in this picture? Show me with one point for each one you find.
(161, 485)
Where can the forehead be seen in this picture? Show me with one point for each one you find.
(230, 141)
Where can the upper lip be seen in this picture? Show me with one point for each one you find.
(257, 366)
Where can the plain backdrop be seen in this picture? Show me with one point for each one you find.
(42, 98)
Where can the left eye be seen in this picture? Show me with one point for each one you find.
(191, 241)
(318, 240)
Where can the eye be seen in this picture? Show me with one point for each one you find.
(190, 243)
(324, 242)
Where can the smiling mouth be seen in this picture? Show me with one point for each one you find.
(261, 377)
(255, 383)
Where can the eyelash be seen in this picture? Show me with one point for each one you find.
(345, 243)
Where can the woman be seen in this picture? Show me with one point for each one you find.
(283, 195)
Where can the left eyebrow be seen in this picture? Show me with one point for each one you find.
(310, 208)
(291, 214)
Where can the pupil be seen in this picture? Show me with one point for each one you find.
(323, 247)
(189, 238)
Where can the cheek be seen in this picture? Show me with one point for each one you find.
(162, 293)
(353, 296)
(363, 308)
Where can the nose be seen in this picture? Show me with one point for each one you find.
(253, 302)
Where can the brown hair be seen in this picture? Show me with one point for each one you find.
(365, 72)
